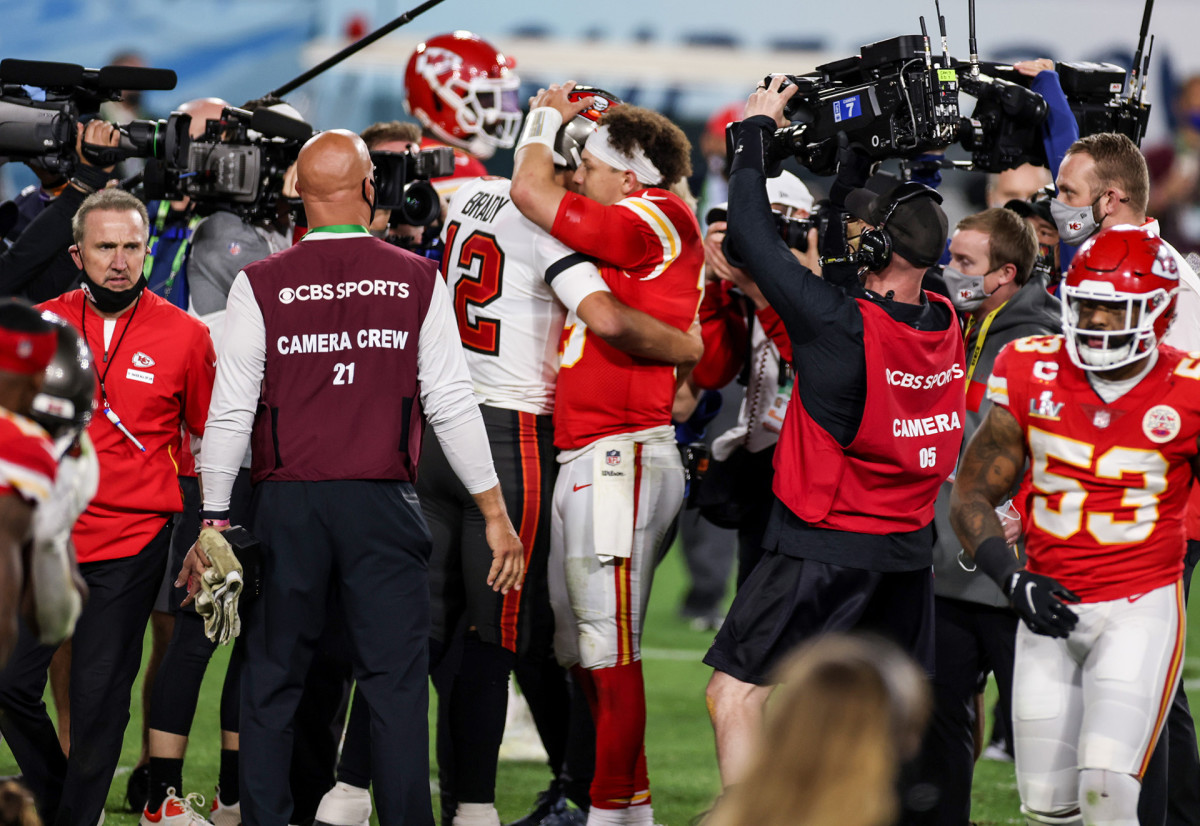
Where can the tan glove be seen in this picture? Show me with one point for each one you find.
(220, 587)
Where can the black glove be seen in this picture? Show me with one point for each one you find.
(1039, 601)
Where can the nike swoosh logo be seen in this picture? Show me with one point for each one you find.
(581, 487)
(1029, 596)
(655, 197)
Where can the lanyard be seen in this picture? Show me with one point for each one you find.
(337, 229)
(160, 221)
(109, 413)
(977, 351)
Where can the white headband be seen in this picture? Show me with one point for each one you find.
(601, 147)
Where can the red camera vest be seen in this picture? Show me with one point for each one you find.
(887, 479)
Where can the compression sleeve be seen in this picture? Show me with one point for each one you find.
(572, 276)
(448, 397)
(235, 395)
(1060, 129)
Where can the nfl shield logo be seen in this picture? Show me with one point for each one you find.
(612, 457)
(1102, 419)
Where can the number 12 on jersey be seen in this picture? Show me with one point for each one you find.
(479, 263)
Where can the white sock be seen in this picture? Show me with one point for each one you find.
(476, 814)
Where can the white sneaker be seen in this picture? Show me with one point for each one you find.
(344, 805)
(176, 811)
(995, 751)
(224, 814)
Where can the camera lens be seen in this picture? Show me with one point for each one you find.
(421, 205)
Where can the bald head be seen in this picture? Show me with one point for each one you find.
(334, 178)
(202, 110)
(332, 165)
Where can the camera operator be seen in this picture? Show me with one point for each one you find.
(736, 491)
(38, 265)
(224, 242)
(857, 470)
(173, 223)
(1103, 182)
(992, 258)
(21, 210)
(394, 136)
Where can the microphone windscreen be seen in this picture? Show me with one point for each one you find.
(40, 73)
(137, 77)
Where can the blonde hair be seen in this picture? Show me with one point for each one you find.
(108, 199)
(849, 711)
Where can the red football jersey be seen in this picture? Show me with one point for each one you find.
(649, 250)
(1108, 483)
(27, 463)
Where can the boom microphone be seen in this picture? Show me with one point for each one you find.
(136, 77)
(277, 125)
(40, 73)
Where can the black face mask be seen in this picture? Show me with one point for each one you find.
(369, 202)
(111, 301)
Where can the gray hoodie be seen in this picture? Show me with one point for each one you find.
(1031, 311)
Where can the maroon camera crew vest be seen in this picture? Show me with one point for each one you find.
(340, 398)
(888, 478)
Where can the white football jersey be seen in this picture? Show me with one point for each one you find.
(511, 284)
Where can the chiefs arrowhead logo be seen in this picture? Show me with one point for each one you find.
(140, 359)
(1075, 226)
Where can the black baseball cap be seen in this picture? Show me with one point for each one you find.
(1031, 209)
(918, 227)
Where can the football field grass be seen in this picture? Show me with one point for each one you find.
(679, 742)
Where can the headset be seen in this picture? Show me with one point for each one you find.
(875, 245)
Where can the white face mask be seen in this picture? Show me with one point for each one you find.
(1075, 224)
(966, 291)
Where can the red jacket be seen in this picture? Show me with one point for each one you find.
(158, 372)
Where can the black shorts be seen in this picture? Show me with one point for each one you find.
(523, 452)
(788, 600)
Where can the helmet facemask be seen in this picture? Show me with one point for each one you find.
(1104, 350)
(486, 108)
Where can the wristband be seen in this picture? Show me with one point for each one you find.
(89, 178)
(997, 560)
(214, 523)
(541, 126)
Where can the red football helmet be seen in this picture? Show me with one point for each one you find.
(1123, 265)
(572, 135)
(464, 91)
